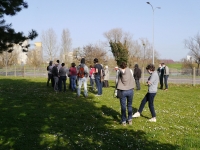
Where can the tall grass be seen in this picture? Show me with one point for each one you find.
(34, 117)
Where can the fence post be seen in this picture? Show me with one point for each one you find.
(34, 71)
(15, 71)
(23, 71)
(143, 74)
(194, 76)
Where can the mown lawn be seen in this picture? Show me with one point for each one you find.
(34, 117)
(175, 66)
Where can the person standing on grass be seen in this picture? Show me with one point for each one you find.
(49, 69)
(73, 76)
(150, 95)
(160, 71)
(106, 77)
(137, 76)
(82, 74)
(91, 75)
(98, 74)
(126, 86)
(116, 80)
(63, 77)
(166, 76)
(55, 76)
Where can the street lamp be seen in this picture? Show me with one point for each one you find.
(144, 53)
(153, 25)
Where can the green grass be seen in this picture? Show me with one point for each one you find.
(175, 66)
(34, 117)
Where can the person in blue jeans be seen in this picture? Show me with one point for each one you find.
(150, 95)
(62, 77)
(73, 76)
(98, 73)
(126, 85)
(82, 79)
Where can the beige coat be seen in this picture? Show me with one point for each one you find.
(107, 74)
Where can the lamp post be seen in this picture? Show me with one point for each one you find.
(144, 53)
(153, 25)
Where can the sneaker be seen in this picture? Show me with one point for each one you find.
(165, 89)
(124, 123)
(152, 120)
(130, 122)
(97, 95)
(137, 114)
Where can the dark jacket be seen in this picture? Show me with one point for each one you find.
(137, 72)
(55, 71)
(160, 71)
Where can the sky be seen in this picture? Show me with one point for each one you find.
(88, 20)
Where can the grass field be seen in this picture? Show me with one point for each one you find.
(175, 66)
(34, 117)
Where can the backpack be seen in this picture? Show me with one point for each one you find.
(81, 72)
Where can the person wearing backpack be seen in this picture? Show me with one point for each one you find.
(82, 75)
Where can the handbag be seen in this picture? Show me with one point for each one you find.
(119, 93)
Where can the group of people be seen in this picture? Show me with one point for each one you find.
(57, 75)
(125, 89)
(78, 76)
(99, 76)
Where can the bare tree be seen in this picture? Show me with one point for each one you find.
(65, 46)
(193, 44)
(89, 52)
(8, 59)
(49, 42)
(120, 43)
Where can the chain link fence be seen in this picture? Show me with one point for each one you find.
(176, 76)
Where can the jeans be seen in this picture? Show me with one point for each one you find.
(150, 98)
(80, 82)
(161, 82)
(92, 83)
(98, 84)
(55, 83)
(137, 82)
(73, 82)
(127, 97)
(165, 81)
(62, 80)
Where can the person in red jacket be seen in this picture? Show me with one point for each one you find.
(91, 75)
(73, 76)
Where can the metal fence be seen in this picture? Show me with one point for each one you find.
(176, 76)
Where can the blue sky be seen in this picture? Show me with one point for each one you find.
(87, 20)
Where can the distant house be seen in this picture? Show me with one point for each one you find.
(189, 58)
(22, 56)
